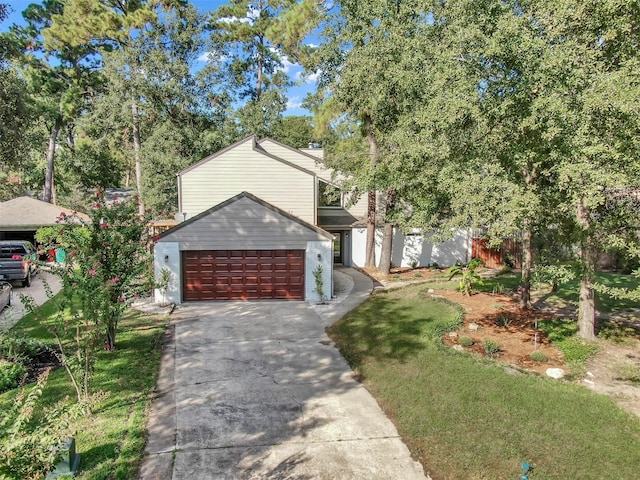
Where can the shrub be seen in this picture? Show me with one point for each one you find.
(317, 275)
(498, 289)
(468, 275)
(475, 263)
(465, 341)
(576, 350)
(11, 374)
(491, 347)
(30, 434)
(538, 356)
(503, 320)
(553, 275)
(20, 348)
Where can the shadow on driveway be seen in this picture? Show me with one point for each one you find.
(257, 390)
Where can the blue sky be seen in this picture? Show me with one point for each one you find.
(295, 94)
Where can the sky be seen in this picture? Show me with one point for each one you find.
(295, 94)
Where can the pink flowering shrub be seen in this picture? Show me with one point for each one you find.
(108, 260)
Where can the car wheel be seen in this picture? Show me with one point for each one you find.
(27, 281)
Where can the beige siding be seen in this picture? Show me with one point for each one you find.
(243, 169)
(297, 158)
(316, 152)
(359, 209)
(244, 225)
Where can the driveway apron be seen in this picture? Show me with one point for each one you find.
(252, 390)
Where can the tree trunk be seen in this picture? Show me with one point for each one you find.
(137, 148)
(111, 337)
(260, 68)
(385, 252)
(49, 187)
(370, 260)
(530, 175)
(588, 257)
(527, 261)
(387, 236)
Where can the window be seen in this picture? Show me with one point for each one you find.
(329, 195)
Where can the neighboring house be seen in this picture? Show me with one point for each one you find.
(22, 216)
(263, 196)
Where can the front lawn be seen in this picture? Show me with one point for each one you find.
(466, 417)
(110, 440)
(567, 293)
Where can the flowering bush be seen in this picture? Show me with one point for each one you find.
(107, 265)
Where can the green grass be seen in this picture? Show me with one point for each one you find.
(467, 417)
(110, 440)
(567, 293)
(562, 333)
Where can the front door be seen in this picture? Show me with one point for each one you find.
(337, 247)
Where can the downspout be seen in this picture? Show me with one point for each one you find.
(179, 182)
(316, 203)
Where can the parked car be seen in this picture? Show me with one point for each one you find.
(6, 292)
(17, 261)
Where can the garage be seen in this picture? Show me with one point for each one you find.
(243, 274)
(21, 217)
(243, 249)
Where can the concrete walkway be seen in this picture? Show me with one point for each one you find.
(256, 390)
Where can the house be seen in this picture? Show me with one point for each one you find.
(21, 217)
(261, 206)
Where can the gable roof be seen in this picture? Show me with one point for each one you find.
(26, 213)
(254, 199)
(296, 150)
(255, 147)
(317, 162)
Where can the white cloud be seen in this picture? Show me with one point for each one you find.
(293, 103)
(286, 64)
(205, 57)
(211, 57)
(310, 78)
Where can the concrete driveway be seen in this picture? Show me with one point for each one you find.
(13, 314)
(257, 390)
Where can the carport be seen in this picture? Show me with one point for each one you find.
(243, 249)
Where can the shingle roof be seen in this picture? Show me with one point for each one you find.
(25, 213)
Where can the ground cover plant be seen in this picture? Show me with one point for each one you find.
(470, 417)
(110, 438)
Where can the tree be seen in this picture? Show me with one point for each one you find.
(107, 262)
(14, 105)
(59, 80)
(365, 41)
(148, 51)
(295, 131)
(250, 42)
(518, 115)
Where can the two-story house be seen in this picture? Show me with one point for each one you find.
(261, 218)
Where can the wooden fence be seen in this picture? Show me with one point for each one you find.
(510, 250)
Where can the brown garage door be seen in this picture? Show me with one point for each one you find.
(243, 274)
